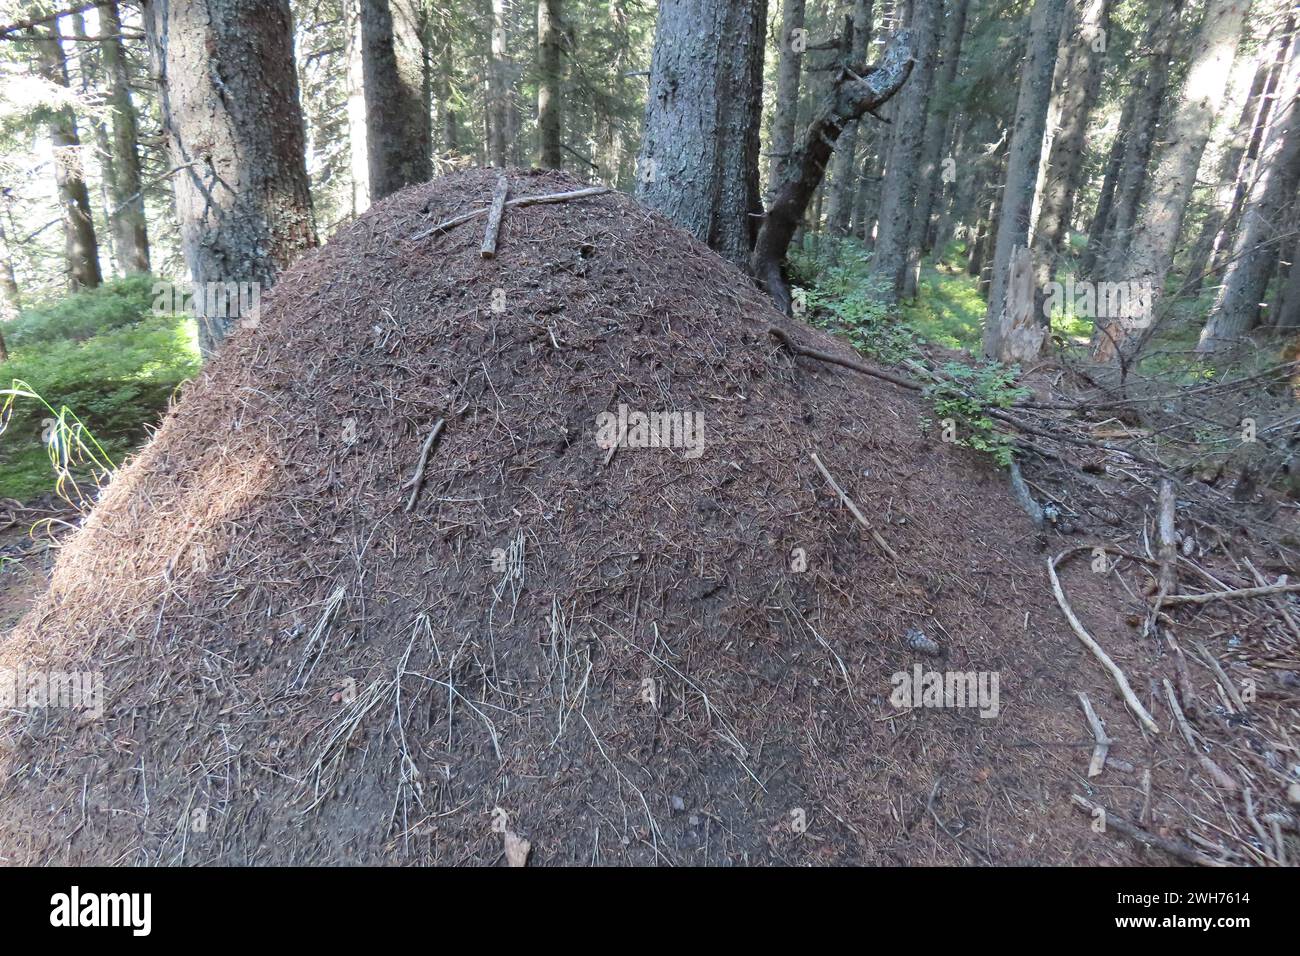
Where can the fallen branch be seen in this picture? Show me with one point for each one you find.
(1100, 751)
(521, 201)
(1120, 679)
(1212, 768)
(853, 508)
(489, 249)
(1209, 596)
(1173, 847)
(417, 481)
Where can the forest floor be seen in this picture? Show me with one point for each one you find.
(542, 649)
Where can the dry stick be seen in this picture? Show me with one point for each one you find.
(1276, 602)
(521, 201)
(848, 502)
(1224, 679)
(1173, 847)
(1212, 768)
(1120, 680)
(489, 249)
(1099, 734)
(1230, 595)
(1168, 544)
(418, 480)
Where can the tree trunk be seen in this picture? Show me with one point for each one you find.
(936, 132)
(1024, 155)
(229, 97)
(395, 65)
(851, 96)
(1146, 120)
(1227, 176)
(81, 248)
(1155, 235)
(699, 154)
(1081, 78)
(11, 302)
(845, 173)
(898, 192)
(1228, 231)
(785, 116)
(1262, 234)
(1287, 316)
(550, 71)
(125, 192)
(1102, 218)
(358, 158)
(498, 107)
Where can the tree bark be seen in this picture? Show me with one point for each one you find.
(1103, 217)
(1146, 120)
(698, 163)
(126, 213)
(1160, 222)
(898, 192)
(1225, 183)
(1261, 237)
(229, 98)
(550, 74)
(845, 172)
(358, 157)
(11, 302)
(1024, 155)
(785, 117)
(1081, 78)
(851, 95)
(81, 248)
(395, 68)
(497, 111)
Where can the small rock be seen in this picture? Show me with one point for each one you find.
(1293, 793)
(677, 803)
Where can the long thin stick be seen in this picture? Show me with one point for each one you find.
(853, 509)
(489, 249)
(418, 480)
(1231, 595)
(521, 201)
(1120, 680)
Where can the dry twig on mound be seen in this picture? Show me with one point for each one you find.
(489, 249)
(521, 201)
(1113, 821)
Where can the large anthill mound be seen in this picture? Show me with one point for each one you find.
(618, 658)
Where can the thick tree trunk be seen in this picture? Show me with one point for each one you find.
(550, 75)
(1287, 315)
(898, 192)
(81, 248)
(229, 97)
(785, 117)
(1262, 234)
(1024, 155)
(1146, 121)
(395, 66)
(1081, 79)
(937, 125)
(845, 173)
(358, 155)
(1155, 235)
(126, 212)
(851, 96)
(699, 154)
